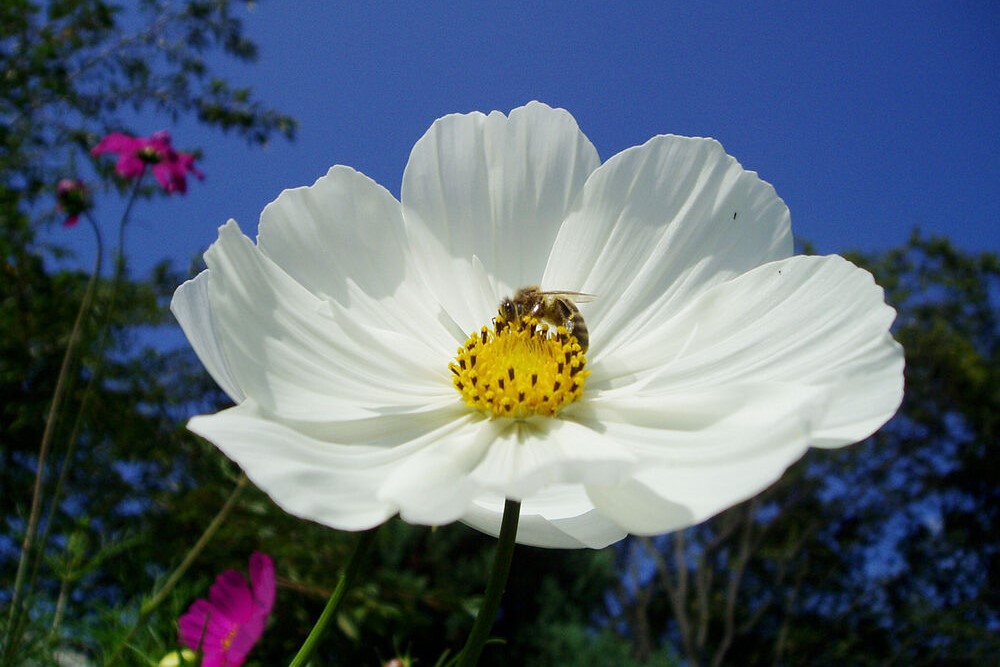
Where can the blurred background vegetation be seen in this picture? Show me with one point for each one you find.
(885, 552)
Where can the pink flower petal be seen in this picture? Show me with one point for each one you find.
(170, 168)
(168, 178)
(161, 138)
(194, 624)
(186, 160)
(116, 142)
(225, 627)
(130, 166)
(262, 581)
(244, 640)
(231, 596)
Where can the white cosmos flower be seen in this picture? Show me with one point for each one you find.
(716, 357)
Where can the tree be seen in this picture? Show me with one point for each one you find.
(68, 71)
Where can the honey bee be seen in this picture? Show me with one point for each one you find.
(556, 307)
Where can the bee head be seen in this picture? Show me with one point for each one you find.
(508, 310)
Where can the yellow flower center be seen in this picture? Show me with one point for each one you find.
(520, 368)
(230, 637)
(150, 155)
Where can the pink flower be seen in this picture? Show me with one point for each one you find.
(73, 197)
(170, 167)
(225, 627)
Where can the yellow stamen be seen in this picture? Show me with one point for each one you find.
(230, 637)
(519, 369)
(150, 155)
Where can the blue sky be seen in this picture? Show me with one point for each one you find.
(869, 118)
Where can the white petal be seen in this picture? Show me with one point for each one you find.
(559, 517)
(343, 239)
(434, 488)
(494, 187)
(663, 499)
(511, 459)
(703, 450)
(706, 426)
(656, 228)
(701, 458)
(191, 308)
(326, 473)
(344, 227)
(294, 358)
(411, 312)
(529, 455)
(815, 322)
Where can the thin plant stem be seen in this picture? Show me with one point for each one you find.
(309, 645)
(119, 271)
(62, 382)
(64, 468)
(494, 589)
(153, 603)
(88, 393)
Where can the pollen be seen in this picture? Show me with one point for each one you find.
(520, 368)
(230, 637)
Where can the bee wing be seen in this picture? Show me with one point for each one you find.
(578, 297)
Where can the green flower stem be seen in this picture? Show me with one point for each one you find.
(365, 541)
(494, 589)
(50, 518)
(105, 335)
(62, 381)
(150, 605)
